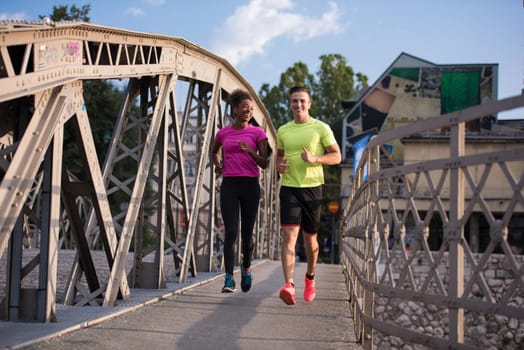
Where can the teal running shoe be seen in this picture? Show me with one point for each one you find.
(247, 278)
(229, 284)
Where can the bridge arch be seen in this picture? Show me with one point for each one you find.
(181, 92)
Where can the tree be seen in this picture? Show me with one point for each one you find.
(334, 82)
(63, 13)
(276, 98)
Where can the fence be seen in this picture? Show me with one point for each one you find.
(430, 246)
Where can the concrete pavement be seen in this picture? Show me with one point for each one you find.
(198, 316)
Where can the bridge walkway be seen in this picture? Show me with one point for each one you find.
(197, 316)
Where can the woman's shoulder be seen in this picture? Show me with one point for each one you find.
(255, 129)
(225, 129)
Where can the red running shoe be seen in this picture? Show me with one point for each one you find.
(287, 294)
(309, 290)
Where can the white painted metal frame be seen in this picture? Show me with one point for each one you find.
(43, 69)
(373, 232)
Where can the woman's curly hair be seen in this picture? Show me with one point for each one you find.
(239, 95)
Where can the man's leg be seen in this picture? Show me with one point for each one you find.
(311, 245)
(288, 253)
(287, 293)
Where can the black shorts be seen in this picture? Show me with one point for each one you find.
(301, 206)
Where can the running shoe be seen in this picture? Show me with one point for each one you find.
(287, 294)
(245, 283)
(229, 284)
(309, 289)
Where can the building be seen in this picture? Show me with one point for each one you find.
(412, 89)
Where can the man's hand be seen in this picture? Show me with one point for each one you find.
(307, 156)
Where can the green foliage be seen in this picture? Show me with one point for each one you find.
(63, 13)
(276, 98)
(102, 104)
(334, 82)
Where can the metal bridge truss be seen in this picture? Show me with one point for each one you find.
(174, 102)
(449, 285)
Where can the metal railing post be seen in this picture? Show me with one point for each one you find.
(455, 231)
(373, 166)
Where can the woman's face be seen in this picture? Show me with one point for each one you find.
(244, 111)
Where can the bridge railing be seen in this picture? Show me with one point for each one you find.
(432, 246)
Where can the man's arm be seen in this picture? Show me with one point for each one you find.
(331, 157)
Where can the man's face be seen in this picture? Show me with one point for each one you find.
(300, 103)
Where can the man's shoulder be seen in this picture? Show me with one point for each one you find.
(321, 125)
(318, 122)
(285, 126)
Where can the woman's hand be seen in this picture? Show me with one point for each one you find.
(282, 165)
(244, 147)
(219, 168)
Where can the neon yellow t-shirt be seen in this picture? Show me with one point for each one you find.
(314, 135)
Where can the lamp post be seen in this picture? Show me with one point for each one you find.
(333, 208)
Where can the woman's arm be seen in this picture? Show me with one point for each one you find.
(216, 158)
(259, 157)
(281, 161)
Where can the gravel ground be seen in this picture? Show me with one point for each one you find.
(65, 262)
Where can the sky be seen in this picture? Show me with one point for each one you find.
(262, 38)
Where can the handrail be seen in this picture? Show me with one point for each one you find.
(413, 267)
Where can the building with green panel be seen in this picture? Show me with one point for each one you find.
(413, 89)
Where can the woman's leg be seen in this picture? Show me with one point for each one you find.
(229, 205)
(249, 200)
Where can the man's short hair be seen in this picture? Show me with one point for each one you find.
(299, 89)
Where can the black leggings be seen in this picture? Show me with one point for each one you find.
(239, 194)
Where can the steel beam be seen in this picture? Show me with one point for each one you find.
(44, 66)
